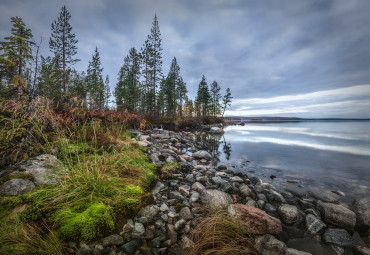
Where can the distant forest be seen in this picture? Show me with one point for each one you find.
(141, 86)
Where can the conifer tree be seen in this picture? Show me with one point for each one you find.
(63, 44)
(215, 99)
(181, 92)
(127, 91)
(49, 78)
(203, 98)
(16, 50)
(226, 100)
(107, 92)
(154, 63)
(94, 80)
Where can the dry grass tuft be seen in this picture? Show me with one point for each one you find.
(218, 234)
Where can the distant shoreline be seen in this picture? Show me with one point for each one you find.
(288, 119)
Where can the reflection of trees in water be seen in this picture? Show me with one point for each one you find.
(226, 148)
(212, 143)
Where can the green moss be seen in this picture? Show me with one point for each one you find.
(90, 224)
(169, 169)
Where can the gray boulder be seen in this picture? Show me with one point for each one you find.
(202, 155)
(112, 240)
(337, 215)
(324, 195)
(45, 168)
(269, 245)
(149, 211)
(216, 130)
(244, 190)
(215, 199)
(362, 209)
(339, 237)
(288, 213)
(314, 225)
(291, 251)
(16, 187)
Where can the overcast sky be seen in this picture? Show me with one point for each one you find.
(308, 58)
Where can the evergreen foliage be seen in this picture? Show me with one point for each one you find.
(95, 84)
(63, 44)
(215, 108)
(203, 99)
(15, 50)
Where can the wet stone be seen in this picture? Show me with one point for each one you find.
(338, 237)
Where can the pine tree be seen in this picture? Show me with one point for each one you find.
(181, 92)
(168, 88)
(63, 44)
(107, 92)
(127, 91)
(94, 80)
(16, 50)
(215, 99)
(226, 100)
(203, 98)
(154, 63)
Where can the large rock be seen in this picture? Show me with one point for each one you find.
(16, 187)
(324, 195)
(314, 225)
(291, 251)
(45, 168)
(215, 199)
(112, 240)
(257, 221)
(288, 213)
(202, 155)
(337, 215)
(244, 190)
(216, 130)
(269, 245)
(362, 209)
(149, 211)
(339, 237)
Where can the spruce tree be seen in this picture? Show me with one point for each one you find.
(215, 99)
(49, 78)
(16, 50)
(203, 98)
(63, 44)
(127, 91)
(94, 80)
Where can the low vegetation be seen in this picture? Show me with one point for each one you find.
(105, 178)
(219, 234)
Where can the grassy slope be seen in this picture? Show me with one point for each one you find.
(105, 180)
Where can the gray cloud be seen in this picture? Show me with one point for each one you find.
(260, 49)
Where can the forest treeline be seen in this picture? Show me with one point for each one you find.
(141, 88)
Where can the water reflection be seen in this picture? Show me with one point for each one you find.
(213, 144)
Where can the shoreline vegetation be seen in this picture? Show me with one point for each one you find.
(79, 177)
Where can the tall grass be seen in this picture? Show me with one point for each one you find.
(219, 234)
(105, 178)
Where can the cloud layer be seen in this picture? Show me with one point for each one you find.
(262, 50)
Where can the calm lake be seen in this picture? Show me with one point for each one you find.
(331, 155)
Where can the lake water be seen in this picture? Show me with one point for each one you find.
(327, 155)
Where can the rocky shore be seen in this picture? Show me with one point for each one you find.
(280, 221)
